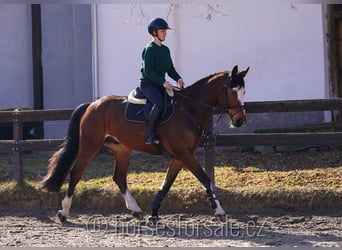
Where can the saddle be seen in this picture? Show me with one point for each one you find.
(138, 108)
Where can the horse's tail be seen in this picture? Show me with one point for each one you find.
(62, 160)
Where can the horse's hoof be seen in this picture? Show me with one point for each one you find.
(220, 217)
(62, 218)
(152, 220)
(138, 215)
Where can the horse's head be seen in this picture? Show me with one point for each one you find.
(233, 98)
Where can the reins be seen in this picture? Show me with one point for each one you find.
(202, 103)
(194, 100)
(206, 132)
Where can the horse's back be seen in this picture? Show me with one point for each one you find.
(117, 99)
(102, 111)
(108, 103)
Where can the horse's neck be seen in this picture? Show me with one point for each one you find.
(200, 98)
(199, 114)
(206, 90)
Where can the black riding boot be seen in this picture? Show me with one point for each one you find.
(150, 135)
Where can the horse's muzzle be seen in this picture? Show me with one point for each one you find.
(238, 119)
(238, 123)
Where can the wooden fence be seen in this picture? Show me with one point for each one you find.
(17, 146)
(276, 138)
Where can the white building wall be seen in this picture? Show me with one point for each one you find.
(280, 42)
(66, 55)
(15, 56)
(66, 59)
(120, 44)
(282, 45)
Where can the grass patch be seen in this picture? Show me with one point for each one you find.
(302, 180)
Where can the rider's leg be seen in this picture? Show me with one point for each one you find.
(151, 126)
(154, 96)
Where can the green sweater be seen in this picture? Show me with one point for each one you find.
(156, 61)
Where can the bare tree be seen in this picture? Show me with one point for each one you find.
(212, 10)
(138, 14)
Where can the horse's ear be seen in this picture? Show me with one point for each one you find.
(235, 70)
(244, 72)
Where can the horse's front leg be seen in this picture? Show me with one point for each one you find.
(197, 170)
(171, 174)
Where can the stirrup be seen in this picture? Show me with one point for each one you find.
(156, 139)
(152, 140)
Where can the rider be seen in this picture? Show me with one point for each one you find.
(156, 61)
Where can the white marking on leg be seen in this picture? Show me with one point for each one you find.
(219, 210)
(66, 204)
(131, 204)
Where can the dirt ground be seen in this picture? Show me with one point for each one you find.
(33, 228)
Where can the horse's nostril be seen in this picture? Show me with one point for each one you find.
(238, 123)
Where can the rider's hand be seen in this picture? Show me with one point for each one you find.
(181, 83)
(167, 85)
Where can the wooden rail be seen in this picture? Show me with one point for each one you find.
(275, 139)
(17, 146)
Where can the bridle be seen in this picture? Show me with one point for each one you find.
(225, 109)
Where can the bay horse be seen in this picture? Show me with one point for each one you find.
(92, 123)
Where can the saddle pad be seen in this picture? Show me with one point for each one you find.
(135, 113)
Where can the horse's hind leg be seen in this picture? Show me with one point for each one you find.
(122, 159)
(172, 172)
(87, 151)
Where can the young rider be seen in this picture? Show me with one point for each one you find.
(156, 62)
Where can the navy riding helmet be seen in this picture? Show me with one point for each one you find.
(157, 24)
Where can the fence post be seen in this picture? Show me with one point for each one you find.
(209, 158)
(18, 171)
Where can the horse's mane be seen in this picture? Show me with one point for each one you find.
(204, 80)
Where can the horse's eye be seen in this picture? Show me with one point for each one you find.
(234, 93)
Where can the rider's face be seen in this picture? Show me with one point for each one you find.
(161, 34)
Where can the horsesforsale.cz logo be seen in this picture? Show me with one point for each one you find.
(97, 224)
